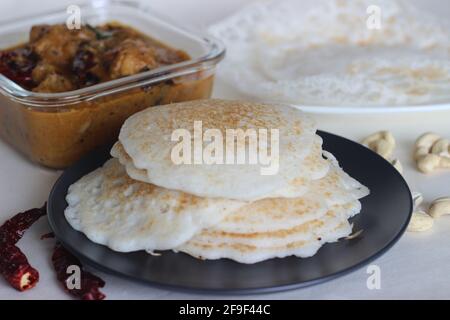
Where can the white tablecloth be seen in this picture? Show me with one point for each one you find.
(418, 266)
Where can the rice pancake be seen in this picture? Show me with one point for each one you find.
(273, 214)
(279, 227)
(301, 241)
(314, 166)
(147, 138)
(126, 215)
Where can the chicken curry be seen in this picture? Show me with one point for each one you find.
(56, 60)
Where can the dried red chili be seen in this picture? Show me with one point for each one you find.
(18, 65)
(13, 229)
(86, 58)
(15, 268)
(89, 283)
(21, 275)
(14, 265)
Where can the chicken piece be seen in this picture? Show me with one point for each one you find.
(166, 56)
(42, 71)
(57, 44)
(130, 57)
(53, 83)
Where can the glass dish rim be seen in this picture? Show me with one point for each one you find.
(215, 54)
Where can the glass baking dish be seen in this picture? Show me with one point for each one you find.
(56, 129)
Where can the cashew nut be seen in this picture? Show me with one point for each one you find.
(441, 147)
(439, 207)
(420, 152)
(430, 162)
(427, 140)
(420, 221)
(424, 144)
(382, 142)
(397, 165)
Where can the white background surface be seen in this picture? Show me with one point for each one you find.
(418, 266)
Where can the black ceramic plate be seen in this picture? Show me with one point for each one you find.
(384, 217)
